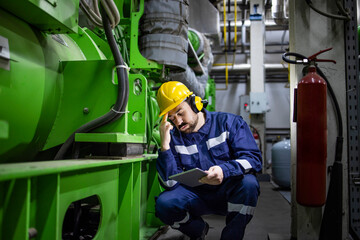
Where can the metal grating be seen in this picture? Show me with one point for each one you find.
(353, 116)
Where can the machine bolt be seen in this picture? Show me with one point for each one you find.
(86, 110)
(32, 233)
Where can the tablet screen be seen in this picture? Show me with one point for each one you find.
(190, 177)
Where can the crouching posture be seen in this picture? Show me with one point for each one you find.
(220, 143)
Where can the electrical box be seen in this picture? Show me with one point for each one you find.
(258, 103)
(245, 108)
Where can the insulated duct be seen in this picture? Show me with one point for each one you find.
(164, 28)
(196, 76)
(196, 84)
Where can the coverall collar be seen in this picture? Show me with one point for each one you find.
(204, 130)
(206, 127)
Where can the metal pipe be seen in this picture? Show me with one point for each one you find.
(229, 23)
(246, 67)
(225, 49)
(224, 20)
(269, 26)
(243, 31)
(278, 12)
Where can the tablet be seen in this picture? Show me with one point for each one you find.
(190, 177)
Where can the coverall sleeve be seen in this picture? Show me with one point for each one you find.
(168, 164)
(246, 154)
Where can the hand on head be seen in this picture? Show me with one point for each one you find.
(165, 128)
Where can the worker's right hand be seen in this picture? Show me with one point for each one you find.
(165, 128)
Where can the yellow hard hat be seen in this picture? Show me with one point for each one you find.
(170, 95)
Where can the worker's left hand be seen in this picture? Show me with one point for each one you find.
(215, 176)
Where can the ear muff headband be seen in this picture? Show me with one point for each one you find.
(196, 103)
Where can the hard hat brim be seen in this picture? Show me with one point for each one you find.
(174, 105)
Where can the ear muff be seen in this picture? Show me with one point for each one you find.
(196, 103)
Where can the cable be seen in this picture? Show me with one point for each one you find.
(346, 15)
(331, 222)
(339, 138)
(335, 102)
(94, 15)
(122, 97)
(298, 56)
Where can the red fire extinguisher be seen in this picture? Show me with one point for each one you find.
(311, 132)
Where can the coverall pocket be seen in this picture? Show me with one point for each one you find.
(220, 152)
(189, 161)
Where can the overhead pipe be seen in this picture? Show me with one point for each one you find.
(243, 31)
(225, 48)
(219, 67)
(269, 26)
(235, 31)
(229, 24)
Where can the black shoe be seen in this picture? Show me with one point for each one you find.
(205, 231)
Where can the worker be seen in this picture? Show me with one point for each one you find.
(219, 143)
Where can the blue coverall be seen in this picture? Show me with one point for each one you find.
(224, 140)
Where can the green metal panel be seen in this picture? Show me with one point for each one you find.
(47, 206)
(210, 94)
(100, 43)
(4, 129)
(55, 84)
(133, 122)
(109, 137)
(137, 104)
(88, 45)
(153, 190)
(38, 194)
(17, 98)
(52, 16)
(100, 182)
(153, 116)
(136, 59)
(10, 171)
(125, 202)
(136, 200)
(16, 202)
(86, 85)
(32, 88)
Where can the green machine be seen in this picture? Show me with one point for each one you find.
(78, 120)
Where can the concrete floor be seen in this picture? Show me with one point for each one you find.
(271, 220)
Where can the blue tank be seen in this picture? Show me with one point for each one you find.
(281, 158)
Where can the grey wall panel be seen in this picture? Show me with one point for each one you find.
(277, 94)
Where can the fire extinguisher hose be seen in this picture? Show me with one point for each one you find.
(331, 225)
